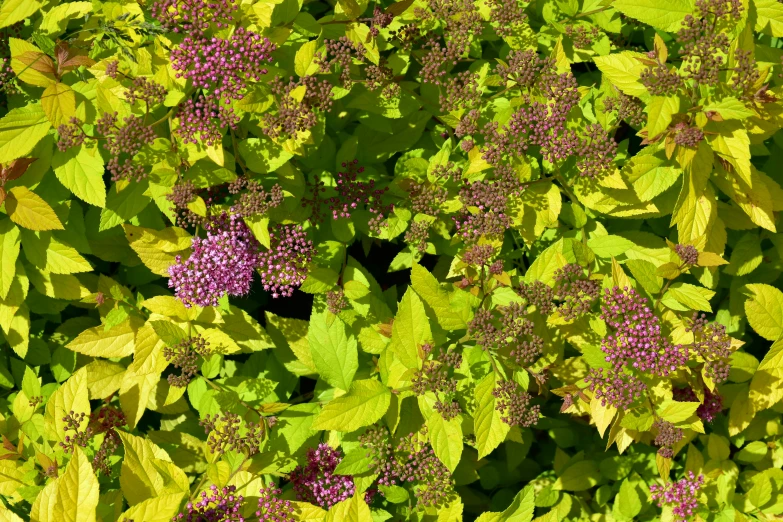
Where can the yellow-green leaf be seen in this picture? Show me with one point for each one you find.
(14, 11)
(764, 310)
(59, 103)
(27, 209)
(354, 509)
(158, 249)
(71, 396)
(623, 71)
(57, 18)
(117, 341)
(410, 330)
(77, 491)
(446, 439)
(21, 130)
(80, 170)
(489, 427)
(363, 405)
(9, 252)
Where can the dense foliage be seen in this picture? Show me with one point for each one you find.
(429, 260)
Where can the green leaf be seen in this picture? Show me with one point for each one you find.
(147, 471)
(764, 310)
(367, 401)
(334, 350)
(354, 509)
(610, 246)
(354, 462)
(761, 492)
(676, 412)
(80, 170)
(666, 15)
(125, 201)
(753, 452)
(14, 11)
(56, 19)
(746, 255)
(410, 330)
(428, 288)
(27, 209)
(487, 423)
(623, 71)
(262, 155)
(690, 296)
(446, 439)
(729, 109)
(303, 62)
(579, 476)
(627, 504)
(21, 130)
(769, 17)
(659, 114)
(766, 387)
(650, 175)
(117, 341)
(9, 252)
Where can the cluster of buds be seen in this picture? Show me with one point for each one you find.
(294, 114)
(215, 505)
(256, 199)
(227, 432)
(437, 376)
(185, 356)
(575, 291)
(668, 435)
(713, 344)
(271, 508)
(509, 332)
(682, 495)
(513, 403)
(615, 387)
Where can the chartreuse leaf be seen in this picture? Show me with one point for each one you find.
(489, 427)
(158, 249)
(764, 310)
(117, 341)
(71, 396)
(766, 387)
(21, 130)
(13, 11)
(769, 17)
(57, 18)
(666, 15)
(521, 509)
(147, 471)
(446, 439)
(46, 252)
(80, 170)
(627, 505)
(676, 412)
(158, 509)
(334, 350)
(27, 209)
(579, 476)
(59, 103)
(354, 509)
(363, 405)
(623, 71)
(427, 287)
(411, 329)
(71, 497)
(9, 252)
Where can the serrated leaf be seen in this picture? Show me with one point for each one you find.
(666, 15)
(59, 103)
(21, 130)
(117, 341)
(9, 252)
(363, 405)
(411, 329)
(579, 476)
(446, 439)
(623, 71)
(80, 170)
(27, 209)
(334, 349)
(14, 11)
(764, 310)
(489, 427)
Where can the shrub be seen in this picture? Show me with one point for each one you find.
(430, 260)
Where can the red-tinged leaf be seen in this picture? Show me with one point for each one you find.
(16, 168)
(2, 195)
(77, 61)
(38, 62)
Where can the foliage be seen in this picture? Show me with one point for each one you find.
(430, 260)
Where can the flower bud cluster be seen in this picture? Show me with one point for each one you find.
(628, 109)
(144, 90)
(539, 295)
(183, 193)
(215, 505)
(713, 344)
(514, 405)
(668, 435)
(185, 356)
(271, 508)
(341, 53)
(317, 483)
(576, 292)
(292, 116)
(615, 387)
(508, 331)
(507, 16)
(227, 432)
(437, 376)
(255, 200)
(687, 254)
(187, 16)
(336, 301)
(284, 266)
(708, 409)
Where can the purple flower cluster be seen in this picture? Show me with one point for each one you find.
(353, 194)
(682, 495)
(222, 66)
(636, 340)
(687, 254)
(316, 482)
(708, 409)
(271, 508)
(221, 264)
(284, 266)
(216, 505)
(202, 120)
(614, 387)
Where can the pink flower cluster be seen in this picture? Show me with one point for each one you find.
(217, 505)
(682, 495)
(222, 263)
(637, 340)
(316, 482)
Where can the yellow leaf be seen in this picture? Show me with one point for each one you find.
(57, 18)
(766, 387)
(733, 145)
(158, 249)
(160, 509)
(14, 11)
(77, 492)
(623, 71)
(117, 341)
(135, 391)
(740, 414)
(59, 103)
(355, 509)
(11, 478)
(6, 515)
(103, 378)
(602, 415)
(147, 471)
(71, 396)
(305, 512)
(27, 209)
